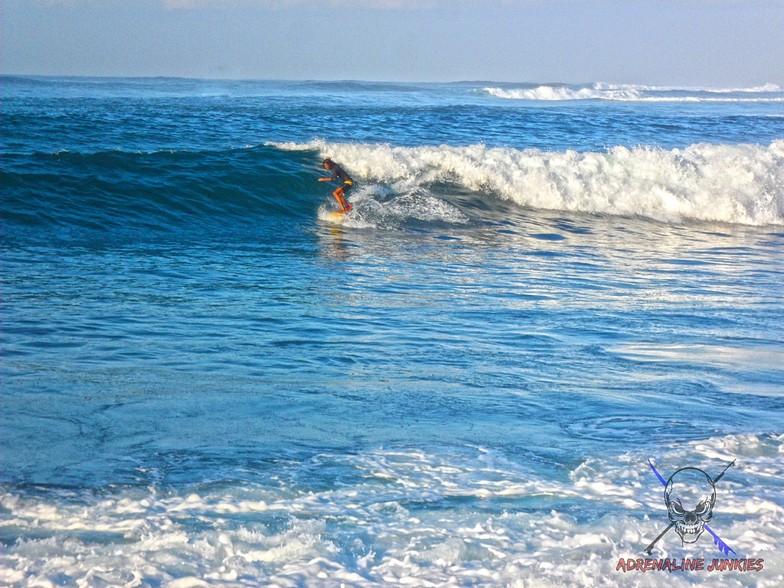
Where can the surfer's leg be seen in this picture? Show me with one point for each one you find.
(347, 185)
(344, 206)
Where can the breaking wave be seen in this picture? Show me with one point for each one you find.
(724, 183)
(637, 93)
(236, 190)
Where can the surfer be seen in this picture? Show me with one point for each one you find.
(338, 172)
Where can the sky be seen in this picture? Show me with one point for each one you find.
(710, 43)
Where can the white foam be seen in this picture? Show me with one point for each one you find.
(562, 93)
(372, 208)
(724, 183)
(638, 93)
(411, 517)
(764, 88)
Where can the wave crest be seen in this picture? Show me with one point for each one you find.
(725, 183)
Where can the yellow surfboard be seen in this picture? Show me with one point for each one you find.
(336, 216)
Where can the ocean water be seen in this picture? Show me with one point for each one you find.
(206, 381)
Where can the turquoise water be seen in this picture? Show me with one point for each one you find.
(205, 380)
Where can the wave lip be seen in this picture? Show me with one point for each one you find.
(741, 184)
(636, 93)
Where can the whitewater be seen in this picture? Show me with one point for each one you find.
(732, 184)
(542, 289)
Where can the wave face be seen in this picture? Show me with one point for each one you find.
(115, 192)
(636, 93)
(732, 184)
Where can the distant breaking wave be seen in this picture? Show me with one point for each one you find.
(637, 93)
(725, 183)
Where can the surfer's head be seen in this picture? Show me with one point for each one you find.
(327, 163)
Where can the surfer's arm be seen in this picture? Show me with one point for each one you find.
(325, 179)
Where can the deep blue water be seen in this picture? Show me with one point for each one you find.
(207, 380)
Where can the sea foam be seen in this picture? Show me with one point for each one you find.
(636, 93)
(723, 183)
(410, 516)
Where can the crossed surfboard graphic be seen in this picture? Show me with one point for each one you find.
(690, 495)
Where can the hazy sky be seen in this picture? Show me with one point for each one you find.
(720, 43)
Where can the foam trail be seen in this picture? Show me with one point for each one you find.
(741, 184)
